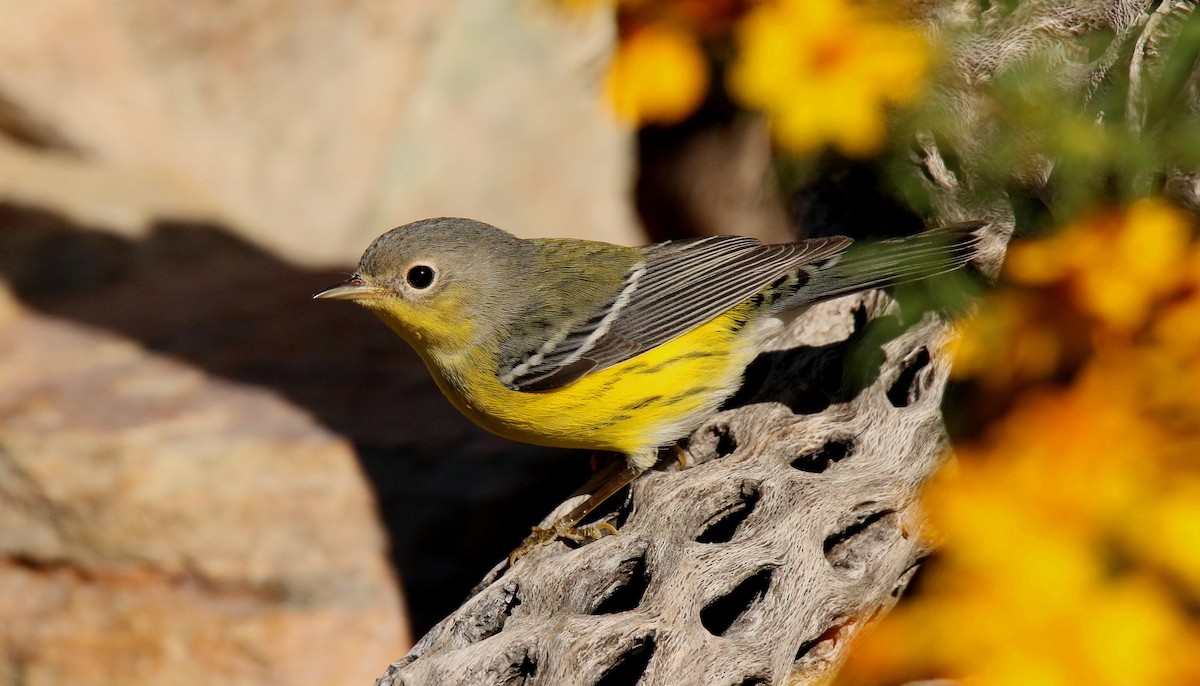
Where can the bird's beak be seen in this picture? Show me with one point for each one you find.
(350, 289)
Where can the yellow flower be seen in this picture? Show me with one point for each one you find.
(825, 71)
(1132, 635)
(1069, 529)
(1166, 530)
(1025, 590)
(659, 75)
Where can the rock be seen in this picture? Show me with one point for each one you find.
(313, 127)
(158, 525)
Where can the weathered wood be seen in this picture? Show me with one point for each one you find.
(795, 523)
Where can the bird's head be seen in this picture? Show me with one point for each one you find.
(439, 283)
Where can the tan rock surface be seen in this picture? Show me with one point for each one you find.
(312, 127)
(161, 526)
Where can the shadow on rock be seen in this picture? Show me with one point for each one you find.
(454, 499)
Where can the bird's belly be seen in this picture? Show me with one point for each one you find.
(645, 402)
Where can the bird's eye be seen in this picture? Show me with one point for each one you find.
(420, 277)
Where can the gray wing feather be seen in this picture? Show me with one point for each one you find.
(676, 288)
(888, 263)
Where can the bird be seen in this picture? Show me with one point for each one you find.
(582, 344)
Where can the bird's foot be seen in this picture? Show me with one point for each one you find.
(602, 485)
(562, 528)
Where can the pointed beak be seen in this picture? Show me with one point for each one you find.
(350, 289)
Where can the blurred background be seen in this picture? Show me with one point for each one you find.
(203, 474)
(205, 477)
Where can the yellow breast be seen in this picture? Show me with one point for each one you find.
(633, 407)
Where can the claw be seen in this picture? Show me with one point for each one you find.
(601, 527)
(680, 455)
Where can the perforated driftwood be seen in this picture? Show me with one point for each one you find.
(793, 526)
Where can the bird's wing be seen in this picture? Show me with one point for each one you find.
(678, 286)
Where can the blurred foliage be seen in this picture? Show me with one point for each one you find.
(1068, 529)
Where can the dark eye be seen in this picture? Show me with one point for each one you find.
(420, 277)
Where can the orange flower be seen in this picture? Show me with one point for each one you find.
(1117, 264)
(1010, 341)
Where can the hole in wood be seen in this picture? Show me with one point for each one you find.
(734, 608)
(849, 549)
(832, 451)
(631, 665)
(492, 622)
(824, 645)
(523, 672)
(908, 386)
(632, 582)
(726, 443)
(722, 526)
(754, 681)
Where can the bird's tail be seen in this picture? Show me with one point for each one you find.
(893, 261)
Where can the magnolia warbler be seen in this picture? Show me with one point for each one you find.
(582, 344)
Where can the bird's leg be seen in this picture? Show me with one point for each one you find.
(602, 486)
(611, 483)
